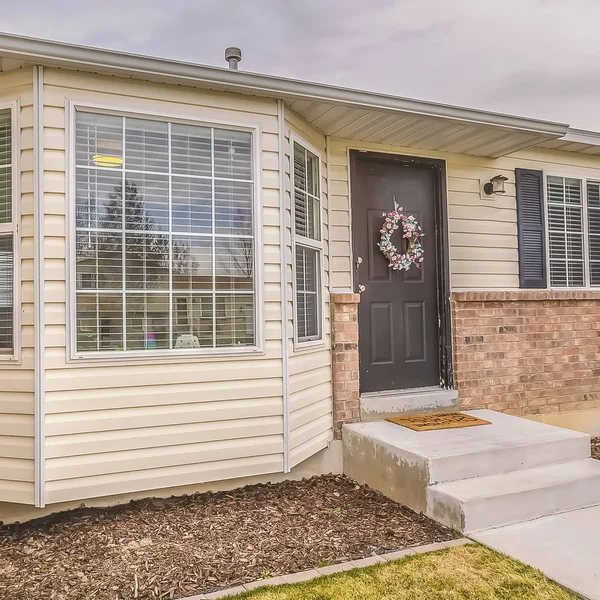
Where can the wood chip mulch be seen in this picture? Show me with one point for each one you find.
(596, 448)
(187, 545)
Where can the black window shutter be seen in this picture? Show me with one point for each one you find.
(532, 229)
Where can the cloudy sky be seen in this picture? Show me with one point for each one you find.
(531, 57)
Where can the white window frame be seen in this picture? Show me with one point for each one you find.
(14, 229)
(175, 354)
(586, 251)
(316, 342)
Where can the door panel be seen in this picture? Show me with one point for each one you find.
(398, 314)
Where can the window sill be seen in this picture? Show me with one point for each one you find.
(310, 346)
(165, 357)
(9, 360)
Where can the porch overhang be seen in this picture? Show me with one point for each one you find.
(425, 126)
(357, 115)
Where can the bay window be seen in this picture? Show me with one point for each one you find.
(307, 244)
(165, 247)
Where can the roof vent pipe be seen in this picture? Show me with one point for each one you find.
(233, 56)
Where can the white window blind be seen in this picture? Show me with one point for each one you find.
(308, 245)
(7, 236)
(566, 231)
(593, 219)
(164, 236)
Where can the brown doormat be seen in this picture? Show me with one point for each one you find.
(432, 421)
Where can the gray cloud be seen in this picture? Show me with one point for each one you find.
(532, 57)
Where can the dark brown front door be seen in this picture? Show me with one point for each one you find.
(398, 310)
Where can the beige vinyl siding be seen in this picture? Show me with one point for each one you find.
(310, 403)
(482, 230)
(16, 377)
(126, 425)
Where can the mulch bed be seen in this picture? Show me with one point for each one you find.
(192, 544)
(596, 448)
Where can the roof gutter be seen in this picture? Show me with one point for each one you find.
(58, 54)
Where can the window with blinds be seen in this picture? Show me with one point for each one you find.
(307, 244)
(565, 231)
(165, 255)
(573, 210)
(7, 237)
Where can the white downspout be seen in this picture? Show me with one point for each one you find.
(283, 298)
(38, 286)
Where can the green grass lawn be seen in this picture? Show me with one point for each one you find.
(470, 572)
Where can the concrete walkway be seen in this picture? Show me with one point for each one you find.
(566, 547)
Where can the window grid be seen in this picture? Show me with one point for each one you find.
(307, 242)
(217, 290)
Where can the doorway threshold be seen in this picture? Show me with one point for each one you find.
(376, 406)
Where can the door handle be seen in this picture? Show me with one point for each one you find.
(358, 262)
(361, 288)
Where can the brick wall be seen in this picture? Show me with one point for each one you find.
(344, 332)
(527, 352)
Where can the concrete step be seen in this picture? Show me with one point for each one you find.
(497, 500)
(402, 463)
(378, 406)
(508, 444)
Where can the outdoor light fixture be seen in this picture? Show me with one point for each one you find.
(495, 185)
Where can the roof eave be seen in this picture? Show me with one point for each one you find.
(58, 54)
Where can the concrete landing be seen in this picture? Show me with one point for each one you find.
(565, 547)
(476, 477)
(379, 406)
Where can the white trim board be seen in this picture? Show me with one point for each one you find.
(159, 356)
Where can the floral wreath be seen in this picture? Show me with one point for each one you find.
(411, 231)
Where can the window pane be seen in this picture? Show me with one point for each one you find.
(191, 205)
(99, 322)
(5, 194)
(234, 266)
(5, 167)
(300, 168)
(235, 320)
(147, 261)
(593, 191)
(307, 205)
(147, 321)
(233, 154)
(190, 150)
(557, 245)
(595, 272)
(233, 208)
(99, 140)
(308, 292)
(558, 273)
(146, 147)
(192, 263)
(99, 202)
(572, 191)
(99, 260)
(6, 294)
(147, 202)
(312, 174)
(192, 320)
